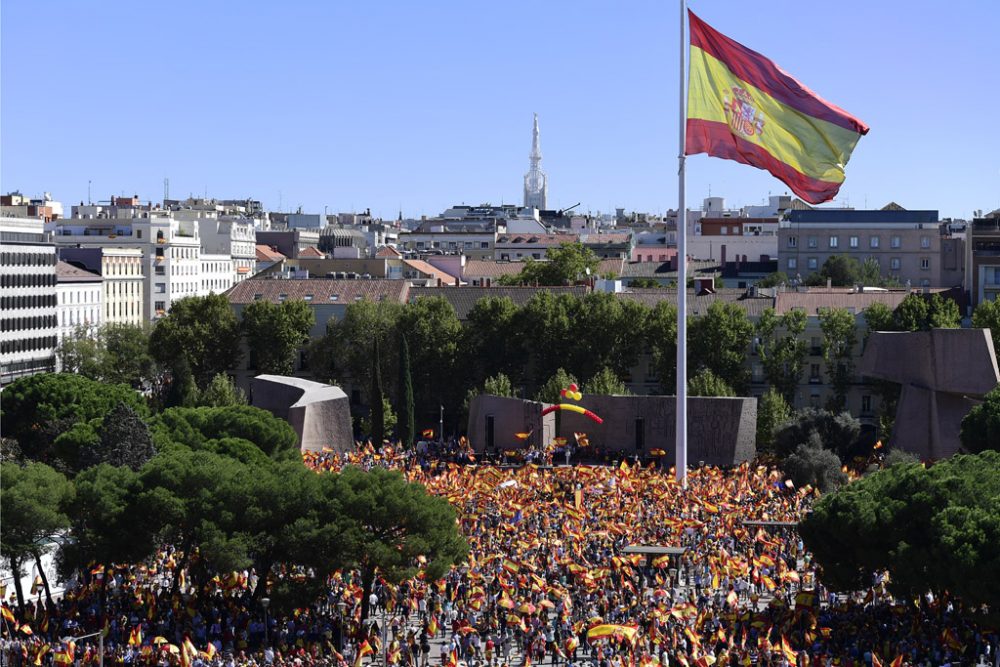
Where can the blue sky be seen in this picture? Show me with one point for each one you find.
(392, 105)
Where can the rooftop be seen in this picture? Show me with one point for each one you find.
(883, 216)
(317, 290)
(698, 304)
(67, 273)
(463, 299)
(816, 299)
(266, 253)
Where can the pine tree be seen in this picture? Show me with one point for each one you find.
(408, 423)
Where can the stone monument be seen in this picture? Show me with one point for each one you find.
(944, 373)
(319, 413)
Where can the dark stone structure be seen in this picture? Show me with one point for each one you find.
(944, 373)
(319, 413)
(721, 431)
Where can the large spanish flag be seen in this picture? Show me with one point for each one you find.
(743, 107)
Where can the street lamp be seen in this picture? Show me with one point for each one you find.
(265, 603)
(441, 426)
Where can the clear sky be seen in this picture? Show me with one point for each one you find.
(420, 105)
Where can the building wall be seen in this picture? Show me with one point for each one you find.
(28, 302)
(123, 287)
(79, 305)
(984, 260)
(474, 244)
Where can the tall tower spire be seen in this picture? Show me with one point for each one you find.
(536, 184)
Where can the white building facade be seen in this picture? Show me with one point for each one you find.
(79, 301)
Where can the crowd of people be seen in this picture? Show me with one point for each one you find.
(581, 565)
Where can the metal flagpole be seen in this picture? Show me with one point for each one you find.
(680, 458)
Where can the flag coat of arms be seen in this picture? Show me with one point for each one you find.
(743, 107)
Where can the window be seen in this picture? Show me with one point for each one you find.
(925, 242)
(792, 263)
(160, 271)
(896, 242)
(854, 241)
(484, 244)
(925, 263)
(282, 297)
(894, 263)
(160, 306)
(812, 242)
(813, 371)
(161, 288)
(834, 241)
(793, 241)
(866, 404)
(812, 263)
(307, 297)
(873, 242)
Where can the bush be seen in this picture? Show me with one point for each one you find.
(812, 464)
(981, 427)
(839, 433)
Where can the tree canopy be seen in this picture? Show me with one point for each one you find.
(987, 316)
(933, 527)
(201, 331)
(981, 427)
(275, 331)
(243, 432)
(570, 262)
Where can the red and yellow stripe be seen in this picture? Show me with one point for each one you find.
(743, 107)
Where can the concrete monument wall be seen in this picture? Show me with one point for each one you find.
(944, 373)
(319, 413)
(721, 431)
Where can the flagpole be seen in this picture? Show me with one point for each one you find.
(680, 458)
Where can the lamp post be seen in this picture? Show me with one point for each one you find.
(341, 608)
(100, 644)
(265, 603)
(441, 426)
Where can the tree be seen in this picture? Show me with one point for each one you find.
(981, 427)
(837, 432)
(707, 383)
(124, 440)
(83, 352)
(243, 432)
(388, 523)
(661, 334)
(645, 283)
(376, 400)
(773, 279)
(840, 270)
(128, 358)
(549, 322)
(565, 265)
(814, 465)
(408, 432)
(36, 410)
(718, 341)
(434, 334)
(202, 331)
(607, 332)
(783, 357)
(772, 412)
(911, 314)
(498, 385)
(275, 332)
(933, 528)
(34, 498)
(605, 382)
(987, 316)
(221, 392)
(550, 391)
(878, 317)
(839, 338)
(494, 339)
(943, 313)
(345, 349)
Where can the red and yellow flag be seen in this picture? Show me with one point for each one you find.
(743, 107)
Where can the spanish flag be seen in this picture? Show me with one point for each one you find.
(135, 636)
(363, 650)
(428, 433)
(743, 107)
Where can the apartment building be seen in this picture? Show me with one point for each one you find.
(123, 283)
(79, 300)
(28, 320)
(913, 247)
(984, 259)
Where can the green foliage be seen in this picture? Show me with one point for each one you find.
(243, 432)
(493, 339)
(550, 391)
(916, 313)
(812, 464)
(34, 499)
(345, 350)
(275, 331)
(390, 522)
(389, 421)
(773, 279)
(221, 392)
(981, 427)
(943, 313)
(36, 410)
(498, 385)
(107, 523)
(408, 430)
(434, 335)
(203, 332)
(878, 317)
(839, 338)
(840, 270)
(376, 399)
(707, 383)
(783, 357)
(933, 528)
(772, 412)
(114, 353)
(605, 382)
(645, 283)
(718, 341)
(124, 440)
(987, 316)
(898, 456)
(661, 334)
(837, 432)
(565, 265)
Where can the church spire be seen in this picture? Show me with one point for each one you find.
(536, 187)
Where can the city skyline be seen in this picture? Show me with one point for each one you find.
(395, 108)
